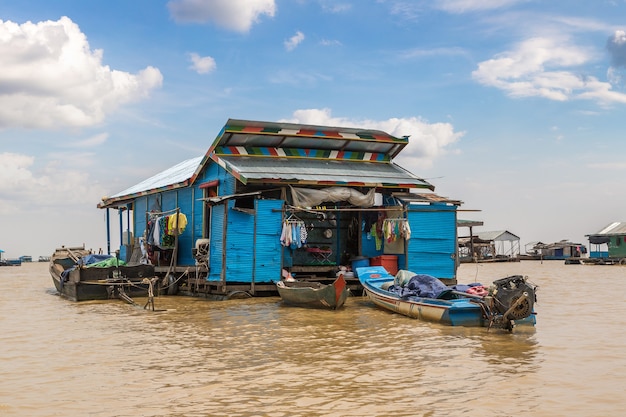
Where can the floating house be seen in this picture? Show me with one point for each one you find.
(560, 250)
(9, 262)
(467, 251)
(609, 244)
(494, 246)
(274, 198)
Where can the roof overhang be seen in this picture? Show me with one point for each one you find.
(298, 140)
(268, 170)
(178, 176)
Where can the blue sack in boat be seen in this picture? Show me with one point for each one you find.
(426, 286)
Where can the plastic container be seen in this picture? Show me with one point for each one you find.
(389, 262)
(359, 262)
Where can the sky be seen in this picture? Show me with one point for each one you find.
(515, 107)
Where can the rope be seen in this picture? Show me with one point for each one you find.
(150, 283)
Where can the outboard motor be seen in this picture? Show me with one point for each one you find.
(513, 297)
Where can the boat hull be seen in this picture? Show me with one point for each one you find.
(94, 289)
(313, 294)
(464, 311)
(85, 284)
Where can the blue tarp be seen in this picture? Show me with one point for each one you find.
(427, 286)
(92, 259)
(420, 285)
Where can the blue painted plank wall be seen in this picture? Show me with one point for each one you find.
(268, 248)
(432, 247)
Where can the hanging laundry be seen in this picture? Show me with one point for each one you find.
(295, 236)
(377, 238)
(396, 228)
(176, 224)
(285, 236)
(406, 230)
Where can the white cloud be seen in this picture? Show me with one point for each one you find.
(294, 41)
(423, 53)
(332, 6)
(616, 46)
(25, 188)
(330, 42)
(608, 166)
(464, 6)
(202, 64)
(50, 78)
(427, 141)
(90, 142)
(237, 15)
(545, 67)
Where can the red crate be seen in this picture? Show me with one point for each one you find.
(389, 262)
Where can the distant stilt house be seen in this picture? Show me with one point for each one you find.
(561, 250)
(467, 250)
(609, 244)
(273, 198)
(496, 246)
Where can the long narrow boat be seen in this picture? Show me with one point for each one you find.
(314, 294)
(77, 278)
(510, 301)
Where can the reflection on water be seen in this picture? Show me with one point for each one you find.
(258, 357)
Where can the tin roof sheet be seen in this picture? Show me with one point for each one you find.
(498, 235)
(259, 134)
(320, 172)
(295, 153)
(615, 228)
(176, 175)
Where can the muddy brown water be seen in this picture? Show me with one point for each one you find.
(257, 357)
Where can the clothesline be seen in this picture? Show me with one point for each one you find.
(160, 213)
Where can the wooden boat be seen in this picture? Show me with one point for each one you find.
(76, 279)
(509, 302)
(314, 294)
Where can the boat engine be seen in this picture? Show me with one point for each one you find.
(513, 297)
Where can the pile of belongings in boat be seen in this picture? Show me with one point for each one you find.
(408, 284)
(94, 261)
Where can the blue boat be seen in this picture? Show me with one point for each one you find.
(508, 302)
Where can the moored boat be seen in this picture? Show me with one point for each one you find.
(314, 294)
(510, 301)
(79, 275)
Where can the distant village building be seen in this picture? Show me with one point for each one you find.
(609, 242)
(273, 198)
(493, 246)
(560, 250)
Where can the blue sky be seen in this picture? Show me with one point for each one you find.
(515, 107)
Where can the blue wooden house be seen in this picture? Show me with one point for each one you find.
(270, 198)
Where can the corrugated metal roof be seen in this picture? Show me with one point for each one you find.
(425, 198)
(497, 235)
(272, 135)
(615, 228)
(287, 152)
(171, 177)
(469, 223)
(313, 171)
